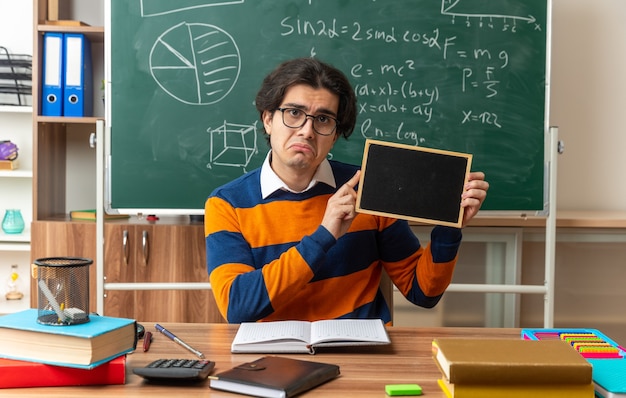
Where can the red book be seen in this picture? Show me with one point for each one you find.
(15, 374)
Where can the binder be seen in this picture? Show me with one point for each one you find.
(78, 84)
(52, 87)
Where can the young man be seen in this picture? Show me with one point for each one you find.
(284, 241)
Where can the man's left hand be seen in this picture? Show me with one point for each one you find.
(474, 195)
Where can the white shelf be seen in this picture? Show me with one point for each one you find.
(15, 109)
(15, 242)
(16, 173)
(14, 247)
(10, 306)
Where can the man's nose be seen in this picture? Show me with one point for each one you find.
(307, 128)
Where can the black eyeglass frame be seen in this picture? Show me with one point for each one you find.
(306, 116)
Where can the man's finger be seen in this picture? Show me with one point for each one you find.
(354, 180)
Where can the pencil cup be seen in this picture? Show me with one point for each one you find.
(62, 290)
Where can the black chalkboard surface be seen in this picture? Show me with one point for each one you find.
(413, 183)
(464, 75)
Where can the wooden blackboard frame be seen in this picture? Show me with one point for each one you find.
(413, 183)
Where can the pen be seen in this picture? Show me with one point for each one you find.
(173, 337)
(147, 339)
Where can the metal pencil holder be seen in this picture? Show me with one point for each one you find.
(62, 290)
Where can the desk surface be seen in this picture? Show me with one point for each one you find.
(364, 370)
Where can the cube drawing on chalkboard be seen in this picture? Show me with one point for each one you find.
(413, 183)
(233, 144)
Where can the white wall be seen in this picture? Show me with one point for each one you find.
(588, 102)
(16, 29)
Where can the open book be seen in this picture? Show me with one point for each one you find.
(304, 336)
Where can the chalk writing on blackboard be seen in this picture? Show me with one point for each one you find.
(195, 63)
(232, 145)
(481, 9)
(151, 8)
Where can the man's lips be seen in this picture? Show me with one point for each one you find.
(301, 148)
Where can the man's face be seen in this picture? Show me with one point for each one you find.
(301, 149)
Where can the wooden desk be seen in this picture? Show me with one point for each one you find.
(364, 371)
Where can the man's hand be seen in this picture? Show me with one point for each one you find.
(341, 208)
(474, 195)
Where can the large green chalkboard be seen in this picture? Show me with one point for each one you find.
(463, 75)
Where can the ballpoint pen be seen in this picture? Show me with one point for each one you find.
(173, 337)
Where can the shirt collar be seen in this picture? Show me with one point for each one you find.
(271, 182)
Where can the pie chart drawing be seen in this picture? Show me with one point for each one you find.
(197, 64)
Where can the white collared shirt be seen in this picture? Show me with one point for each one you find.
(271, 182)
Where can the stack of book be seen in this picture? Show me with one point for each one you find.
(494, 368)
(9, 164)
(90, 215)
(38, 355)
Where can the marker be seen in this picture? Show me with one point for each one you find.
(147, 339)
(173, 337)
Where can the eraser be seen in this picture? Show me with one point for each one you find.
(403, 389)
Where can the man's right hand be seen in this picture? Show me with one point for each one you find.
(341, 208)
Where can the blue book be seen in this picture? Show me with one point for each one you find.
(609, 377)
(84, 345)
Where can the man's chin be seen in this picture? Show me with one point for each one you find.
(301, 161)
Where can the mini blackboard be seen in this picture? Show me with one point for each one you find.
(413, 183)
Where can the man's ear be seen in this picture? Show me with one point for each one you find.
(267, 121)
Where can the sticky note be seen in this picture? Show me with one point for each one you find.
(403, 389)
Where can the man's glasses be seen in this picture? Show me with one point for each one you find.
(295, 118)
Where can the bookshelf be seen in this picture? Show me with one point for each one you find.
(64, 166)
(15, 125)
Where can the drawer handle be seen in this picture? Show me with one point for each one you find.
(145, 247)
(125, 246)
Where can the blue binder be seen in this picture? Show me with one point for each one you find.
(52, 75)
(78, 82)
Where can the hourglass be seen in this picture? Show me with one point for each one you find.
(13, 285)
